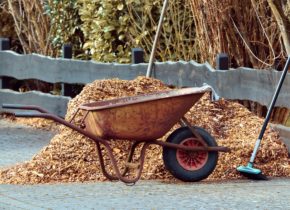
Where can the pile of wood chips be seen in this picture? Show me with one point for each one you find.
(39, 123)
(70, 157)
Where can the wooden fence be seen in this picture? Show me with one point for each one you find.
(240, 84)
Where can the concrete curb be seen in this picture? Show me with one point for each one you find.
(284, 133)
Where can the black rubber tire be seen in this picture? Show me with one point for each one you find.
(173, 166)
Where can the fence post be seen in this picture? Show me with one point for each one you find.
(222, 61)
(4, 45)
(67, 51)
(66, 89)
(277, 64)
(137, 55)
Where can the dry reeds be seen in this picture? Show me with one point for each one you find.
(31, 25)
(246, 30)
(6, 21)
(177, 39)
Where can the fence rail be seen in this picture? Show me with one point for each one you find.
(52, 103)
(241, 83)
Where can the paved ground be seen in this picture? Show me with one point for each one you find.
(149, 195)
(19, 143)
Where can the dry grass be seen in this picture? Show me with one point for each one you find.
(31, 25)
(177, 39)
(246, 30)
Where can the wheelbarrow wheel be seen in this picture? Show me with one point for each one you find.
(190, 166)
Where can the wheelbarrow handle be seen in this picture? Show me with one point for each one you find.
(60, 120)
(28, 115)
(24, 107)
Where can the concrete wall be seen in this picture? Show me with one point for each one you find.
(284, 133)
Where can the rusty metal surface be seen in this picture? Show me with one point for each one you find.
(140, 118)
(124, 101)
(145, 117)
(118, 174)
(193, 149)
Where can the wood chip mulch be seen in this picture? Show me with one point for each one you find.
(70, 157)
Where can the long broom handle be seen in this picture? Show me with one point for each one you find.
(276, 94)
(151, 60)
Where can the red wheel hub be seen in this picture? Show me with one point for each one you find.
(190, 160)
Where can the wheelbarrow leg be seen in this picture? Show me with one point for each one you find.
(102, 163)
(115, 165)
(103, 167)
(97, 140)
(130, 156)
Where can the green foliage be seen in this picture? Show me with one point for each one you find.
(104, 27)
(65, 23)
(107, 30)
(112, 28)
(177, 39)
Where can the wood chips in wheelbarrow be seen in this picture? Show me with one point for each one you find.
(70, 157)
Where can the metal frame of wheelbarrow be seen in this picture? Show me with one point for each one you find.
(118, 174)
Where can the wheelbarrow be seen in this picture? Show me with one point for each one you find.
(190, 153)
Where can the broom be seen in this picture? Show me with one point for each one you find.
(249, 170)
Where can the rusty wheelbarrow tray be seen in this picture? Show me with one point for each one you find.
(189, 153)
